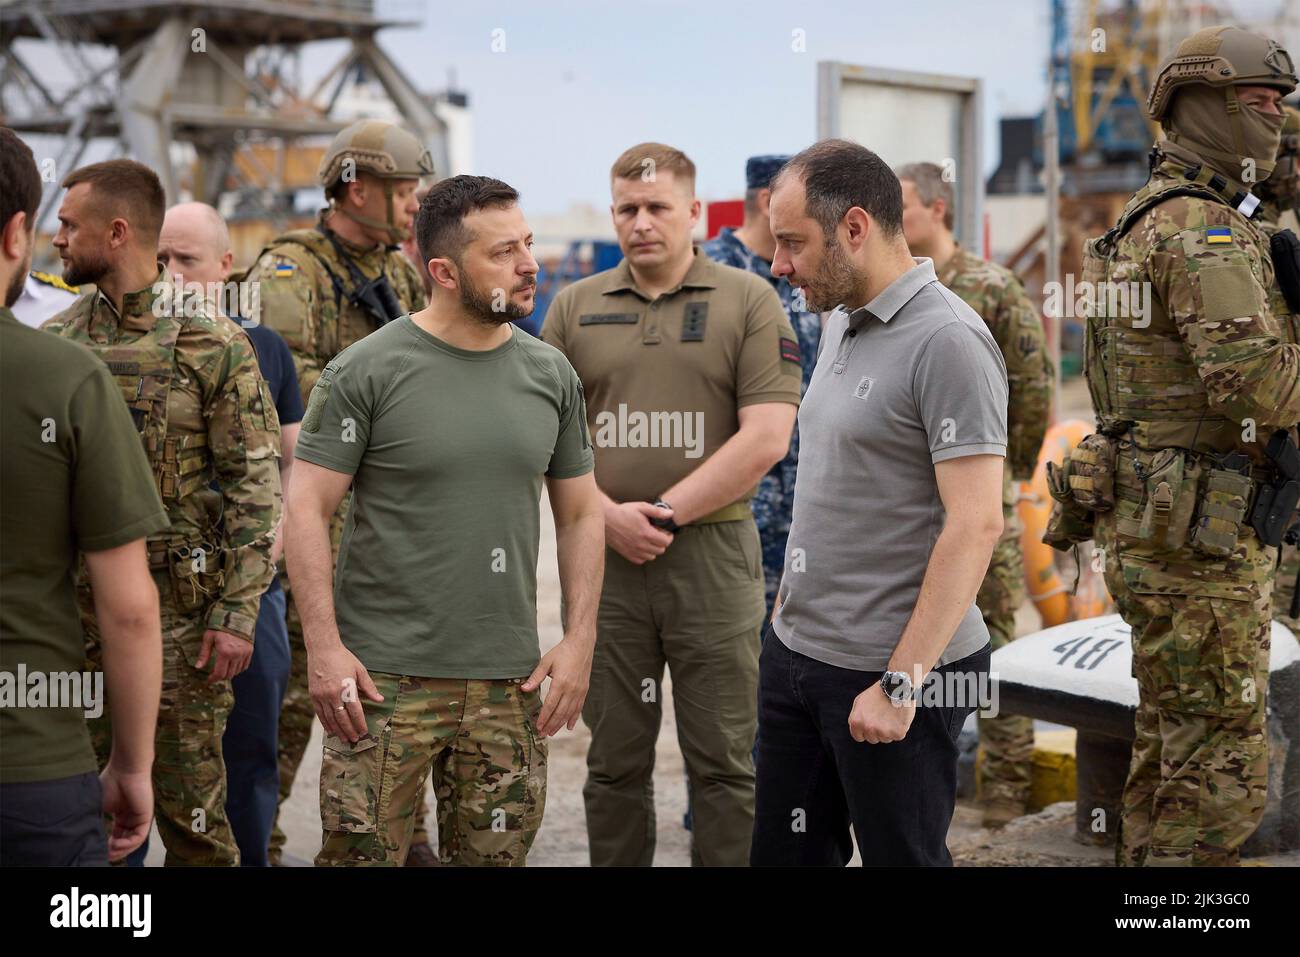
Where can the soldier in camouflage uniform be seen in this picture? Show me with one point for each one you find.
(1190, 375)
(998, 297)
(308, 283)
(751, 248)
(1279, 193)
(210, 431)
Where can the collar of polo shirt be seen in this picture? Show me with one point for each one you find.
(896, 295)
(699, 276)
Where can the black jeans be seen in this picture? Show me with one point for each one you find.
(56, 823)
(813, 779)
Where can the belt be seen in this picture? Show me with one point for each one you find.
(735, 512)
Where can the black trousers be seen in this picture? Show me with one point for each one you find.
(813, 779)
(56, 823)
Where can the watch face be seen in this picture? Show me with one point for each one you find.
(896, 686)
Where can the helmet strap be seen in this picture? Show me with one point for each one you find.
(1232, 106)
(388, 227)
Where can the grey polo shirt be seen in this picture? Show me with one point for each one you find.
(909, 380)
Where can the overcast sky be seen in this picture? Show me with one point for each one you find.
(580, 81)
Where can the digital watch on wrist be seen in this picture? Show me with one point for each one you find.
(667, 524)
(897, 686)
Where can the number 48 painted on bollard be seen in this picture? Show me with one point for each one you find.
(1096, 654)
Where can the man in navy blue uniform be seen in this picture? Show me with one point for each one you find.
(751, 247)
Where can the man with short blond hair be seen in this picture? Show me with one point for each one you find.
(646, 160)
(691, 371)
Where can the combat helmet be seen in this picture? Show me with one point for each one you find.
(384, 150)
(1221, 57)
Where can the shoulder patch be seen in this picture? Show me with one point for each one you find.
(1218, 234)
(789, 349)
(320, 395)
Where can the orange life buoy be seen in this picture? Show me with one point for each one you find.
(1049, 594)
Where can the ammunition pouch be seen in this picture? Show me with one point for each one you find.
(182, 464)
(1082, 486)
(1069, 523)
(1090, 473)
(1284, 248)
(1171, 487)
(1176, 498)
(1222, 512)
(195, 567)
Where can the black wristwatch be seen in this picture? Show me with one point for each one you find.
(897, 686)
(667, 524)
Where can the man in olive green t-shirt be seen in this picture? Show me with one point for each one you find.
(73, 476)
(445, 424)
(692, 373)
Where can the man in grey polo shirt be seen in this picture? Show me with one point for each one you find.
(882, 653)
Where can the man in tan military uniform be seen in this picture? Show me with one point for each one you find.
(996, 294)
(1192, 380)
(692, 377)
(323, 289)
(210, 431)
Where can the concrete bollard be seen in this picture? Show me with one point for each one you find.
(1080, 674)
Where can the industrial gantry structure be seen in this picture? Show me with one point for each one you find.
(223, 76)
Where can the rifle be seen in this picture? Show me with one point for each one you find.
(375, 296)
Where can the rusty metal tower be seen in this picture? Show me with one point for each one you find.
(223, 76)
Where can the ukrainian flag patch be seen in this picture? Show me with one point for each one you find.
(285, 269)
(1218, 234)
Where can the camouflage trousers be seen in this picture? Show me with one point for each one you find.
(189, 774)
(479, 738)
(1007, 740)
(297, 713)
(296, 718)
(1197, 781)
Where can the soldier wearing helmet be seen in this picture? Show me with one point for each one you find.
(1278, 194)
(325, 288)
(1196, 388)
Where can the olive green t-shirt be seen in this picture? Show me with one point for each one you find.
(437, 572)
(73, 476)
(665, 377)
